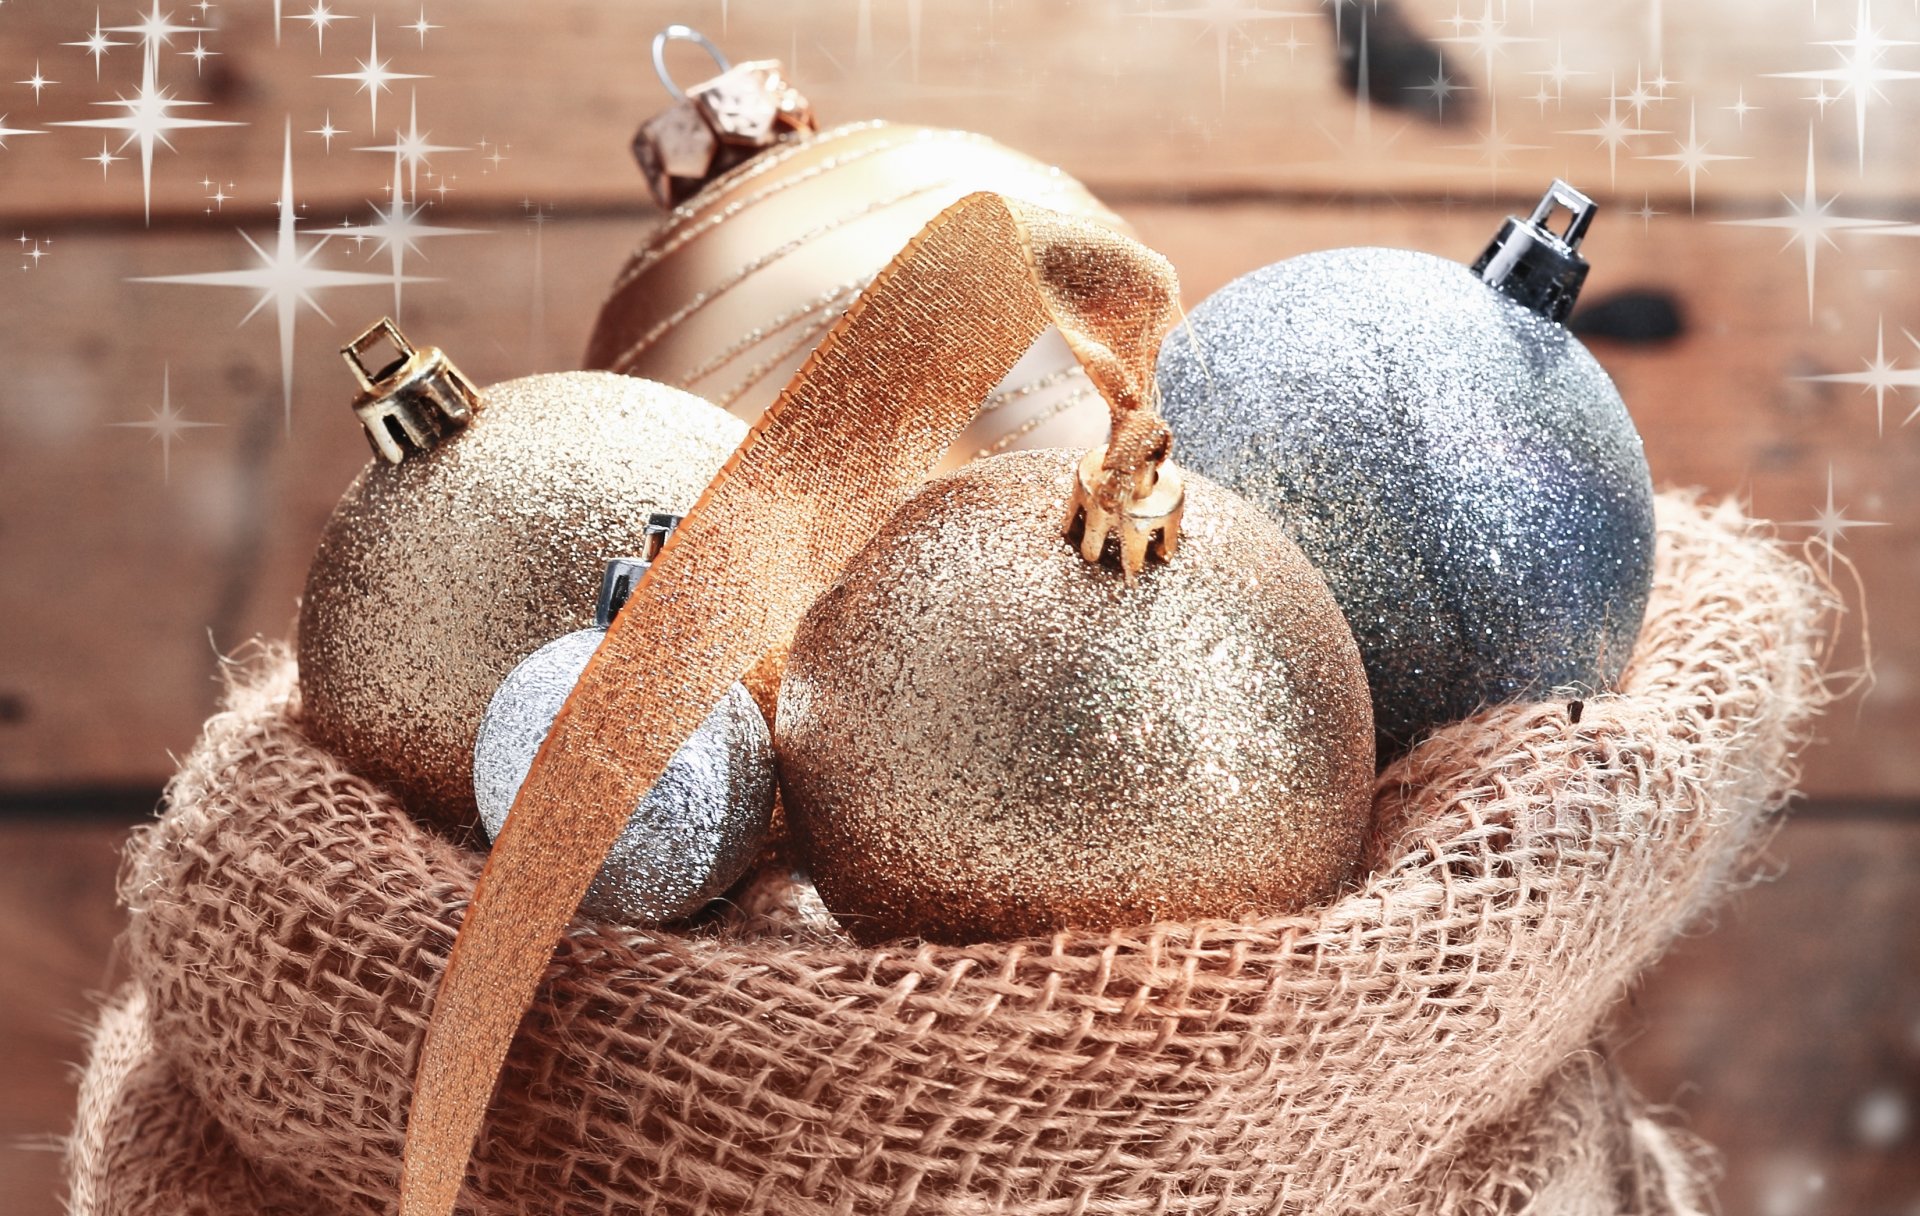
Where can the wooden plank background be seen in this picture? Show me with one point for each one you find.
(1219, 130)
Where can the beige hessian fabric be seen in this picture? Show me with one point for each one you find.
(1424, 1044)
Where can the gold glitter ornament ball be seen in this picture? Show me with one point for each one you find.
(983, 736)
(437, 574)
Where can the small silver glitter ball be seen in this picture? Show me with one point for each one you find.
(1457, 464)
(691, 837)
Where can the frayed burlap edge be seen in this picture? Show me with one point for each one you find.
(1421, 1044)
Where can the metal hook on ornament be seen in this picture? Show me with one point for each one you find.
(682, 33)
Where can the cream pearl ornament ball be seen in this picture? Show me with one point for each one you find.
(773, 228)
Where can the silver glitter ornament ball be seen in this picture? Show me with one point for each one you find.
(1451, 457)
(693, 835)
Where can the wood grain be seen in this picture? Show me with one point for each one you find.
(1789, 1037)
(58, 921)
(1136, 98)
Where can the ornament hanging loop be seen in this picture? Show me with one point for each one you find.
(1579, 207)
(412, 402)
(717, 124)
(683, 33)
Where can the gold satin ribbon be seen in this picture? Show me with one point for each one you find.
(870, 413)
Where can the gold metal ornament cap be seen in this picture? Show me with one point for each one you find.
(1140, 514)
(413, 401)
(718, 123)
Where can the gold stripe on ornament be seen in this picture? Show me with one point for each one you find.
(805, 339)
(874, 408)
(625, 360)
(1032, 424)
(689, 224)
(1007, 396)
(836, 296)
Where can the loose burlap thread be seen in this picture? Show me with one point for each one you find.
(1428, 1043)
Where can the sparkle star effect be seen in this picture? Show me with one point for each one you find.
(166, 424)
(1860, 72)
(1438, 89)
(6, 131)
(33, 250)
(1880, 376)
(1339, 8)
(423, 27)
(36, 82)
(326, 130)
(156, 30)
(1741, 107)
(1558, 73)
(286, 277)
(96, 44)
(1489, 39)
(1692, 157)
(1831, 524)
(1809, 223)
(1225, 20)
(1614, 132)
(375, 77)
(1640, 96)
(318, 18)
(199, 54)
(537, 216)
(413, 148)
(105, 160)
(398, 230)
(148, 121)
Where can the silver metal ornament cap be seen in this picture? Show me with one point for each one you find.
(623, 574)
(616, 588)
(411, 403)
(1536, 266)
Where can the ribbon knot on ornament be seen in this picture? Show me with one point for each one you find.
(866, 418)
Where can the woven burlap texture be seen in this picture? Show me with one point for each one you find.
(1424, 1044)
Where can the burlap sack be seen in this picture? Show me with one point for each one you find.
(1425, 1044)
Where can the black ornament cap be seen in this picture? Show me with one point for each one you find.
(1533, 264)
(623, 573)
